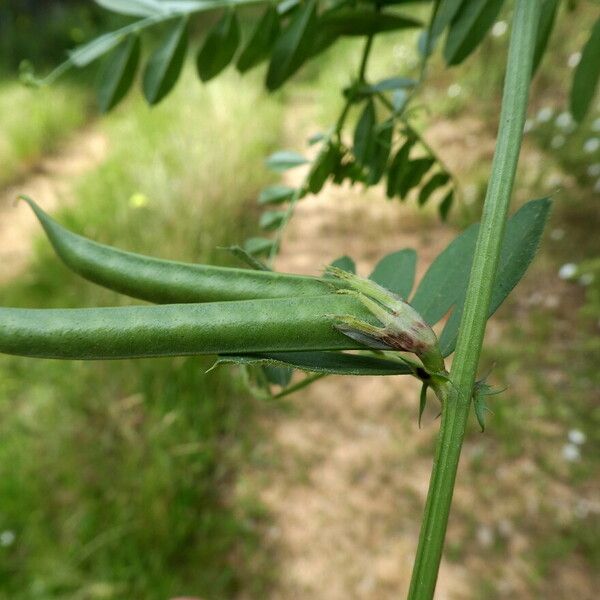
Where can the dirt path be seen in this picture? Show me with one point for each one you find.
(49, 184)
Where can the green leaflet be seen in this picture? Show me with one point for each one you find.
(280, 376)
(285, 159)
(345, 263)
(412, 174)
(83, 55)
(272, 219)
(329, 363)
(165, 64)
(364, 134)
(363, 21)
(396, 272)
(387, 85)
(133, 8)
(294, 46)
(219, 46)
(545, 27)
(469, 27)
(397, 167)
(261, 41)
(587, 73)
(433, 183)
(323, 166)
(117, 73)
(276, 194)
(446, 204)
(258, 246)
(382, 146)
(446, 12)
(519, 245)
(445, 281)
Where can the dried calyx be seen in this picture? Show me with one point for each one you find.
(402, 328)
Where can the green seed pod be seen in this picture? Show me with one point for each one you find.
(165, 281)
(247, 326)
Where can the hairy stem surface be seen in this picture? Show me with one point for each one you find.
(456, 394)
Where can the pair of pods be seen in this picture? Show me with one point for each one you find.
(203, 309)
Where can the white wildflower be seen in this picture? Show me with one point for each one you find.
(571, 453)
(557, 234)
(565, 120)
(554, 180)
(577, 437)
(558, 141)
(499, 28)
(7, 538)
(567, 271)
(454, 90)
(545, 114)
(586, 279)
(574, 59)
(485, 536)
(591, 145)
(594, 170)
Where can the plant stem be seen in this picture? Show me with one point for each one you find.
(456, 395)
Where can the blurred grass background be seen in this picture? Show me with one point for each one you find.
(117, 478)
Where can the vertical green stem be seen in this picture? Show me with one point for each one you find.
(456, 395)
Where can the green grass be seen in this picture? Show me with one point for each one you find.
(35, 122)
(117, 478)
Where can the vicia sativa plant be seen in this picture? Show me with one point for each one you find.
(337, 323)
